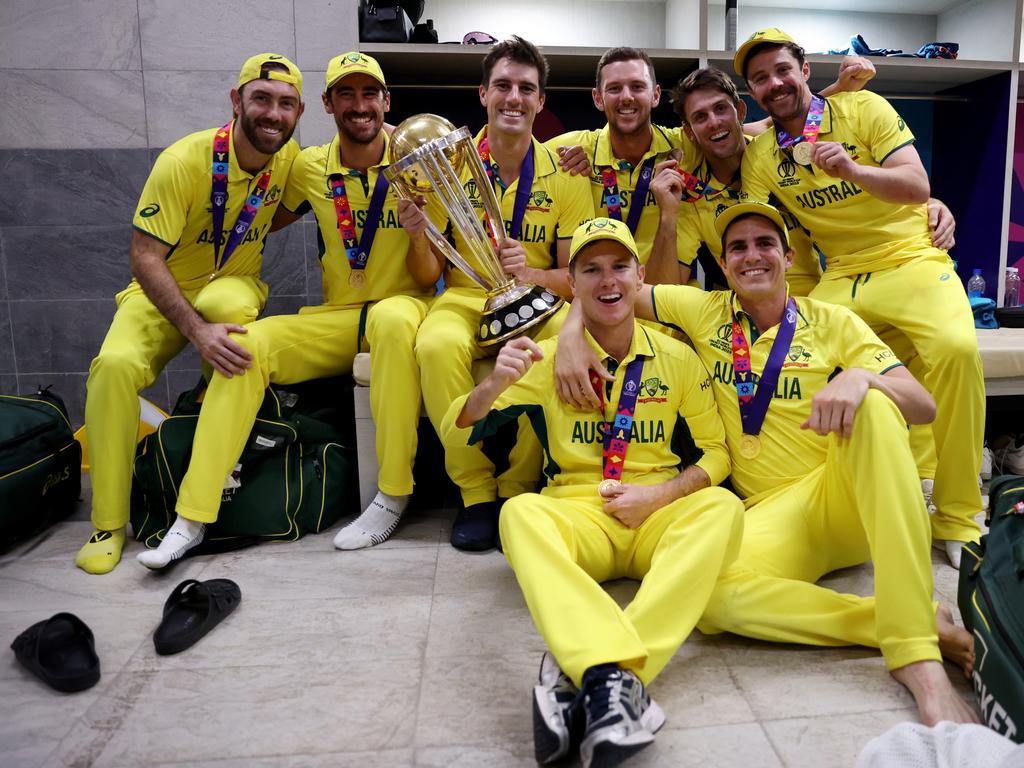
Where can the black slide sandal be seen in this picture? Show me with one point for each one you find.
(192, 610)
(60, 651)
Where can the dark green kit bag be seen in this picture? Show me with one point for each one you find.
(40, 465)
(991, 598)
(294, 475)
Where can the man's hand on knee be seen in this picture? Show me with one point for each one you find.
(834, 407)
(215, 345)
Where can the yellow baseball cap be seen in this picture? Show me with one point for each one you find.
(253, 70)
(351, 63)
(601, 229)
(730, 214)
(766, 35)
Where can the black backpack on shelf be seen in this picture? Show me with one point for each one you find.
(388, 22)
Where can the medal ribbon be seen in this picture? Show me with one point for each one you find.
(618, 432)
(219, 199)
(694, 188)
(358, 252)
(523, 190)
(613, 200)
(811, 127)
(754, 405)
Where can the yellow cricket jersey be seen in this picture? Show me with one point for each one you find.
(597, 144)
(558, 204)
(676, 421)
(857, 232)
(175, 208)
(697, 224)
(828, 338)
(386, 272)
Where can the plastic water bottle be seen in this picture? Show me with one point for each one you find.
(1011, 294)
(976, 285)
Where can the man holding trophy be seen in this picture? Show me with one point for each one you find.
(537, 209)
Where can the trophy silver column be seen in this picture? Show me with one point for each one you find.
(427, 156)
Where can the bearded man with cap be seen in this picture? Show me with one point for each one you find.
(846, 167)
(631, 493)
(372, 273)
(196, 250)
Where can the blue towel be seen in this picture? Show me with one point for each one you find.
(984, 312)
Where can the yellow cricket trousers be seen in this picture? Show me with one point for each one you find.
(924, 300)
(562, 547)
(139, 343)
(445, 350)
(319, 341)
(863, 503)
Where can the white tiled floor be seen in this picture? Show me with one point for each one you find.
(407, 654)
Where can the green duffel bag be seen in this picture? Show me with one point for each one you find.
(294, 475)
(991, 598)
(40, 465)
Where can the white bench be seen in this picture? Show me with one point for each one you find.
(1002, 357)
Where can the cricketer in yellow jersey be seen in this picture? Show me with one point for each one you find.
(630, 494)
(822, 460)
(343, 183)
(184, 288)
(859, 189)
(512, 92)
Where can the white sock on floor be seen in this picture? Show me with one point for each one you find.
(178, 540)
(375, 525)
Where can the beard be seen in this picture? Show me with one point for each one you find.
(262, 143)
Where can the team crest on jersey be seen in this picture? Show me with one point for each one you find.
(654, 389)
(539, 201)
(798, 357)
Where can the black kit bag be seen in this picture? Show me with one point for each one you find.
(384, 23)
(294, 476)
(991, 599)
(40, 465)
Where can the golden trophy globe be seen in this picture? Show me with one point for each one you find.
(429, 156)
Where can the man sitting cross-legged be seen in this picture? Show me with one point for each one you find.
(630, 494)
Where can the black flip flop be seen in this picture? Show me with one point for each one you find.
(60, 651)
(192, 610)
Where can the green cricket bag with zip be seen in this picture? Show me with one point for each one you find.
(991, 598)
(294, 476)
(40, 465)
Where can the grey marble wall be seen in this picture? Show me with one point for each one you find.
(91, 92)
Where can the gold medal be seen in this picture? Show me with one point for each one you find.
(750, 446)
(803, 152)
(357, 278)
(605, 486)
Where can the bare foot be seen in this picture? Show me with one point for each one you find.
(936, 700)
(955, 643)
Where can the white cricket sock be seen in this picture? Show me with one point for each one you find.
(178, 540)
(375, 525)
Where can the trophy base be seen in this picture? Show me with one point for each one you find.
(512, 309)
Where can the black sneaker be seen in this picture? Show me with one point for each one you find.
(557, 717)
(475, 527)
(621, 718)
